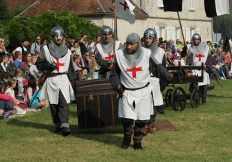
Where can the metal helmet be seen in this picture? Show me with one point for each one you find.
(150, 33)
(106, 30)
(57, 30)
(196, 36)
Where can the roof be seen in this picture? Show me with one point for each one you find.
(13, 4)
(78, 7)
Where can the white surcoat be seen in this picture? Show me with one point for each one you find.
(104, 54)
(200, 54)
(52, 85)
(158, 54)
(135, 104)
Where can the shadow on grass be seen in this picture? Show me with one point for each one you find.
(218, 96)
(30, 124)
(101, 135)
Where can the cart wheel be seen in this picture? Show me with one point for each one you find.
(179, 99)
(195, 99)
(168, 97)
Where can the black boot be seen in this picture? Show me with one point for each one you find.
(126, 142)
(160, 109)
(57, 128)
(66, 131)
(137, 146)
(127, 129)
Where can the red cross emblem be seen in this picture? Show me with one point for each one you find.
(124, 5)
(199, 56)
(134, 70)
(109, 57)
(58, 64)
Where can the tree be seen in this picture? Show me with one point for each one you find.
(3, 10)
(73, 25)
(219, 26)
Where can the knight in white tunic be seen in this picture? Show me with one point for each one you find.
(158, 55)
(131, 79)
(197, 54)
(56, 61)
(104, 53)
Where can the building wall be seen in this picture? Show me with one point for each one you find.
(193, 20)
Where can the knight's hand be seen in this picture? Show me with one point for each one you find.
(120, 90)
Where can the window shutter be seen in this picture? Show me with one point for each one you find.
(160, 3)
(157, 28)
(191, 5)
(169, 33)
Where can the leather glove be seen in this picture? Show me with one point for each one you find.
(120, 90)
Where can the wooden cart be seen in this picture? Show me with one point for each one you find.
(176, 96)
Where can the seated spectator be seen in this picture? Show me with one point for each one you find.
(92, 65)
(162, 45)
(179, 61)
(2, 46)
(4, 63)
(18, 59)
(10, 91)
(169, 61)
(179, 45)
(77, 65)
(29, 67)
(170, 45)
(218, 63)
(6, 102)
(21, 82)
(76, 48)
(33, 94)
(11, 68)
(210, 68)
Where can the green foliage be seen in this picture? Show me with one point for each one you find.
(3, 10)
(73, 26)
(219, 27)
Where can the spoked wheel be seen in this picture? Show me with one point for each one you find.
(168, 97)
(179, 99)
(195, 99)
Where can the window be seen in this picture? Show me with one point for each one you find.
(187, 34)
(191, 5)
(157, 31)
(171, 33)
(160, 3)
(178, 33)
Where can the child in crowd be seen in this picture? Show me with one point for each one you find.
(20, 87)
(6, 103)
(33, 93)
(18, 104)
(77, 65)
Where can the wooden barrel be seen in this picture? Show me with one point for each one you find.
(97, 104)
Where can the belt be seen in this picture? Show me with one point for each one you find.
(134, 89)
(54, 74)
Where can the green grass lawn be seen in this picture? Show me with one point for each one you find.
(202, 134)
